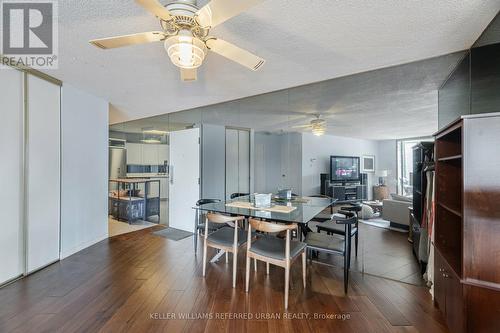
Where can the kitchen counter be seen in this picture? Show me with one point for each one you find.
(147, 175)
(162, 177)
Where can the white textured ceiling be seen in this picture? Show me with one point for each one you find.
(389, 103)
(302, 41)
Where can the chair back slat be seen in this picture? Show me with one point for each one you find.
(218, 218)
(350, 218)
(270, 226)
(206, 201)
(237, 195)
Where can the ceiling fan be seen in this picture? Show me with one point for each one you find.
(185, 33)
(317, 126)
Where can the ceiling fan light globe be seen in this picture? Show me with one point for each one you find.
(318, 130)
(186, 52)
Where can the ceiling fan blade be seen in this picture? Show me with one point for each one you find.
(126, 40)
(234, 53)
(217, 11)
(189, 74)
(302, 126)
(156, 8)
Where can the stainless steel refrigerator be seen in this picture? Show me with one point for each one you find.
(117, 163)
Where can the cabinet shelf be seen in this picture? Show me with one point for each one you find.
(451, 210)
(450, 158)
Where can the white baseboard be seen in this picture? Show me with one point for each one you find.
(78, 248)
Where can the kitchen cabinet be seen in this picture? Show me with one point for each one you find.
(163, 187)
(149, 154)
(162, 154)
(134, 153)
(146, 154)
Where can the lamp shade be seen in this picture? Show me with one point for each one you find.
(383, 173)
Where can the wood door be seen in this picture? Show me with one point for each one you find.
(439, 282)
(454, 302)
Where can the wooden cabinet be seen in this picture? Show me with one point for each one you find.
(439, 282)
(448, 294)
(467, 226)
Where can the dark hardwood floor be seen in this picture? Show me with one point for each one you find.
(382, 252)
(139, 282)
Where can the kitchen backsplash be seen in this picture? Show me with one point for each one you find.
(133, 168)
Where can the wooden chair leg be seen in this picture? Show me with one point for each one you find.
(267, 268)
(235, 259)
(204, 257)
(255, 264)
(304, 268)
(287, 283)
(247, 274)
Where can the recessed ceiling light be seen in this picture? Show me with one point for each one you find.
(151, 141)
(154, 132)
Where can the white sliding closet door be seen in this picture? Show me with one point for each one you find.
(11, 171)
(244, 161)
(237, 161)
(231, 162)
(43, 173)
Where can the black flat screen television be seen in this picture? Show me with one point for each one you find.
(344, 168)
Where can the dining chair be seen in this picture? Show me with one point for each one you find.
(333, 243)
(237, 195)
(275, 251)
(200, 226)
(331, 227)
(228, 238)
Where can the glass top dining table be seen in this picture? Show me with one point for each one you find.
(306, 208)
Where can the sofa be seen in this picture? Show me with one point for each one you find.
(396, 211)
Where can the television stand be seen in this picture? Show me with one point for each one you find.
(347, 192)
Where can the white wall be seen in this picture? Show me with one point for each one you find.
(316, 152)
(84, 176)
(387, 160)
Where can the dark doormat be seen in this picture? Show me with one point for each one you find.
(173, 234)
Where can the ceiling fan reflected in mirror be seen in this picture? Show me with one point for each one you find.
(317, 126)
(185, 33)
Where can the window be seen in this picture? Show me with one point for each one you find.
(405, 164)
